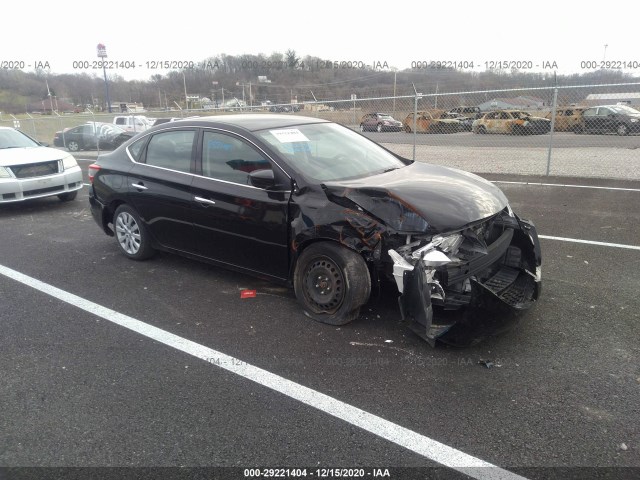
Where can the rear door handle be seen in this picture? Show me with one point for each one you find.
(139, 186)
(205, 201)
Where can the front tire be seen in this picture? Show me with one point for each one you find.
(362, 129)
(482, 130)
(68, 196)
(331, 283)
(379, 128)
(131, 234)
(73, 146)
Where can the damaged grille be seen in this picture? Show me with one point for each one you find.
(36, 169)
(479, 261)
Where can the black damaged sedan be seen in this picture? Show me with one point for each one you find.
(312, 204)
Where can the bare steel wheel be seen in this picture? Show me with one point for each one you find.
(131, 234)
(324, 285)
(332, 283)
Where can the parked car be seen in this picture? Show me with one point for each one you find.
(160, 121)
(30, 170)
(620, 119)
(511, 122)
(469, 112)
(132, 123)
(290, 107)
(432, 121)
(313, 204)
(568, 119)
(465, 122)
(379, 122)
(92, 136)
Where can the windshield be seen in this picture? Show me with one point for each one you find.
(10, 138)
(330, 152)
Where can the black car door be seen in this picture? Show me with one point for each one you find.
(235, 222)
(610, 119)
(82, 135)
(590, 119)
(606, 119)
(159, 187)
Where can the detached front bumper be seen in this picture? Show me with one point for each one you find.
(505, 275)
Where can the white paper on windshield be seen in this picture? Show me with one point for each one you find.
(289, 135)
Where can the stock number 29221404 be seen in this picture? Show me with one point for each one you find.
(100, 64)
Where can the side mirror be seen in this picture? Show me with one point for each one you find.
(262, 178)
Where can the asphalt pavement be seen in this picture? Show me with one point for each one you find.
(78, 390)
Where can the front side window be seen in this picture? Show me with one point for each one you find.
(229, 158)
(171, 150)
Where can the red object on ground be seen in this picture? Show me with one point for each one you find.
(247, 294)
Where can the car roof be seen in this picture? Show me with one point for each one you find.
(430, 110)
(251, 122)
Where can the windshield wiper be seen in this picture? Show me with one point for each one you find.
(11, 146)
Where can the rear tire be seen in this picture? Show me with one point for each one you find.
(482, 130)
(379, 128)
(331, 283)
(73, 146)
(131, 234)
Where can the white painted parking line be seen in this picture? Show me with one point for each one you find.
(590, 242)
(568, 185)
(420, 444)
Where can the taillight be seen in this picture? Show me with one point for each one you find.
(93, 169)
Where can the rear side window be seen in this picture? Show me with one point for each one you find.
(121, 121)
(171, 150)
(136, 149)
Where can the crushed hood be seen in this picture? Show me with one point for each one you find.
(422, 197)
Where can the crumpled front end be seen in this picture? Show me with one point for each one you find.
(493, 265)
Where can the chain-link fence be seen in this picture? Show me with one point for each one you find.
(587, 130)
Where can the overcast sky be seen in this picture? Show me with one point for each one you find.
(534, 33)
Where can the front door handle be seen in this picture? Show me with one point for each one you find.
(139, 186)
(205, 201)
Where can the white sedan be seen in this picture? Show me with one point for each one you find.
(30, 170)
